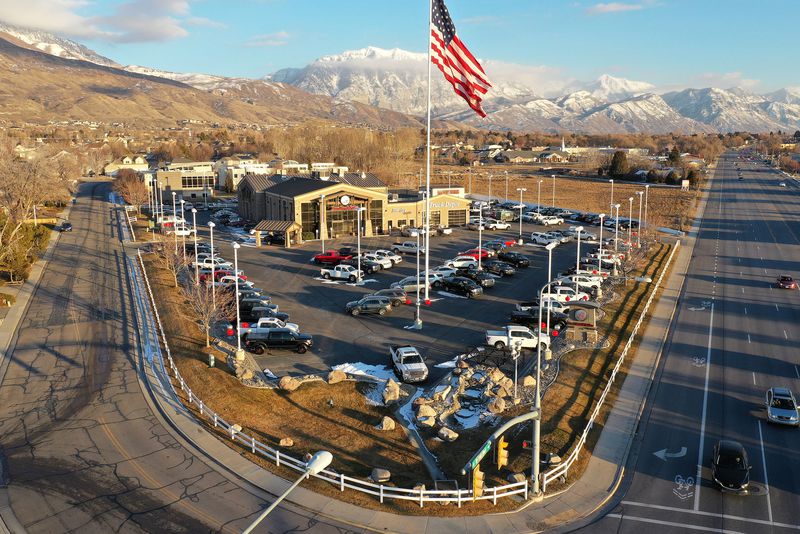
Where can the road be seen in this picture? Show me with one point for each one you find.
(734, 335)
(82, 449)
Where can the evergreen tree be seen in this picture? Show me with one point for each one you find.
(619, 164)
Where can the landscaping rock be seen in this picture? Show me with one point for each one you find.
(516, 477)
(501, 392)
(426, 422)
(496, 375)
(236, 428)
(447, 434)
(425, 411)
(528, 381)
(288, 383)
(440, 393)
(507, 383)
(497, 405)
(391, 392)
(419, 401)
(387, 423)
(461, 364)
(247, 374)
(336, 376)
(286, 442)
(380, 475)
(419, 486)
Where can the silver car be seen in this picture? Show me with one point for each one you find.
(782, 407)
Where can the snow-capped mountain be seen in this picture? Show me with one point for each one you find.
(54, 45)
(206, 82)
(611, 89)
(724, 110)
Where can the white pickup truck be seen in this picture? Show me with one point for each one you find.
(408, 364)
(266, 324)
(512, 334)
(409, 247)
(342, 272)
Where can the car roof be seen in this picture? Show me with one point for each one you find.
(785, 277)
(730, 447)
(781, 392)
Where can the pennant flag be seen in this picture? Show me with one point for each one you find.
(458, 65)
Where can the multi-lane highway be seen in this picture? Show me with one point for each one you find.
(82, 449)
(734, 335)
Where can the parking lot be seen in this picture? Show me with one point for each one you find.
(451, 323)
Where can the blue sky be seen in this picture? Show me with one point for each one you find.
(670, 43)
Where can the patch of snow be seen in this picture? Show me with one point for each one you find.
(379, 372)
(269, 373)
(449, 364)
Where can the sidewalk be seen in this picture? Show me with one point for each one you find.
(595, 488)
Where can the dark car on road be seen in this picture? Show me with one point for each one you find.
(730, 467)
(66, 226)
(395, 295)
(786, 282)
(482, 278)
(369, 305)
(514, 258)
(277, 338)
(461, 286)
(499, 267)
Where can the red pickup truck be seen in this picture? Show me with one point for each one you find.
(331, 257)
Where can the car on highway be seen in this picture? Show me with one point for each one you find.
(782, 184)
(499, 267)
(395, 295)
(369, 305)
(514, 258)
(786, 282)
(781, 406)
(66, 226)
(730, 467)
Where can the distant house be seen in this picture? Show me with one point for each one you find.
(553, 156)
(517, 156)
(136, 163)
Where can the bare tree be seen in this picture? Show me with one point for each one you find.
(131, 188)
(205, 308)
(168, 258)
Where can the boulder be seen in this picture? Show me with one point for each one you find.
(496, 375)
(440, 393)
(461, 364)
(247, 374)
(387, 423)
(380, 475)
(497, 405)
(336, 376)
(419, 486)
(236, 428)
(419, 401)
(501, 392)
(288, 383)
(516, 477)
(286, 442)
(425, 411)
(391, 392)
(507, 383)
(528, 381)
(447, 434)
(426, 422)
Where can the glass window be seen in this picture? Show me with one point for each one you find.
(457, 217)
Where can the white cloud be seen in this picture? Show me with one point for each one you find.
(725, 80)
(271, 39)
(545, 80)
(612, 7)
(203, 21)
(56, 16)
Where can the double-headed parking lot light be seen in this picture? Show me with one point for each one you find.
(639, 222)
(578, 230)
(553, 176)
(600, 253)
(616, 227)
(611, 181)
(359, 210)
(194, 231)
(175, 221)
(239, 351)
(211, 226)
(646, 222)
(630, 219)
(322, 221)
(539, 199)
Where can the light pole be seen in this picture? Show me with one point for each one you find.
(537, 403)
(539, 199)
(183, 223)
(616, 227)
(194, 231)
(646, 222)
(490, 186)
(239, 351)
(506, 173)
(553, 176)
(417, 316)
(521, 190)
(211, 226)
(322, 221)
(480, 238)
(517, 352)
(319, 462)
(630, 219)
(161, 205)
(611, 181)
(578, 230)
(358, 240)
(600, 252)
(175, 222)
(639, 221)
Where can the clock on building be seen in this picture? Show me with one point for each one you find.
(345, 200)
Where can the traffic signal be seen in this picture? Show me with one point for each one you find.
(477, 481)
(502, 452)
(526, 444)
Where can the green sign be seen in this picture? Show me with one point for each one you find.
(480, 454)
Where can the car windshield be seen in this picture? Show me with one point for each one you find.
(783, 403)
(731, 460)
(413, 358)
(786, 278)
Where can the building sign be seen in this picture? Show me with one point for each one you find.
(456, 192)
(444, 205)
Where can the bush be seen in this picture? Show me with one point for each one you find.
(672, 178)
(309, 236)
(5, 297)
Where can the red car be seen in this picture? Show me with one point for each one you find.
(786, 282)
(219, 273)
(474, 253)
(331, 257)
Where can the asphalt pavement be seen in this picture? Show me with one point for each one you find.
(734, 336)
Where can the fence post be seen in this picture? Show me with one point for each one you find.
(253, 444)
(215, 420)
(278, 458)
(494, 495)
(341, 481)
(526, 488)
(420, 496)
(201, 407)
(381, 493)
(458, 497)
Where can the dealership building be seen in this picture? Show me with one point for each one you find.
(312, 208)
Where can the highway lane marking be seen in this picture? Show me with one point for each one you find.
(764, 466)
(742, 290)
(748, 338)
(705, 410)
(776, 308)
(797, 371)
(674, 524)
(754, 377)
(711, 514)
(785, 334)
(745, 311)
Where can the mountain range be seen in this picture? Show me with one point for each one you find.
(48, 76)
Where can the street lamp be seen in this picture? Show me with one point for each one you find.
(646, 223)
(578, 230)
(639, 222)
(521, 190)
(537, 403)
(553, 176)
(490, 186)
(319, 462)
(183, 223)
(358, 238)
(616, 227)
(480, 238)
(194, 231)
(211, 226)
(506, 173)
(175, 222)
(239, 352)
(600, 252)
(539, 199)
(322, 221)
(630, 219)
(611, 180)
(161, 205)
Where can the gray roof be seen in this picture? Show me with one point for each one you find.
(298, 186)
(355, 178)
(260, 182)
(275, 226)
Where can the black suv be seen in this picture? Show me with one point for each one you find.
(395, 295)
(514, 258)
(558, 320)
(66, 226)
(277, 338)
(499, 267)
(370, 304)
(730, 467)
(368, 266)
(461, 286)
(483, 278)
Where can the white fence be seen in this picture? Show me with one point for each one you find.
(561, 469)
(337, 479)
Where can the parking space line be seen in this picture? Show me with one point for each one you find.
(776, 308)
(797, 371)
(785, 334)
(754, 378)
(748, 338)
(674, 524)
(705, 410)
(766, 478)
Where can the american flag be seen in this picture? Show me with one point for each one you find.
(458, 65)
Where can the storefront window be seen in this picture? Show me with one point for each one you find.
(376, 216)
(457, 218)
(436, 218)
(309, 219)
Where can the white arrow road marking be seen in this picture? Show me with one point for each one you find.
(663, 454)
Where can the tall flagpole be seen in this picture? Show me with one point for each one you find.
(428, 162)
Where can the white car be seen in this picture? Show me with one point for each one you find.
(410, 232)
(531, 216)
(494, 224)
(540, 238)
(230, 281)
(216, 262)
(782, 184)
(549, 220)
(565, 294)
(584, 282)
(559, 236)
(410, 284)
(444, 271)
(385, 263)
(461, 262)
(389, 255)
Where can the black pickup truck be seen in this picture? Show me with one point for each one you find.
(277, 338)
